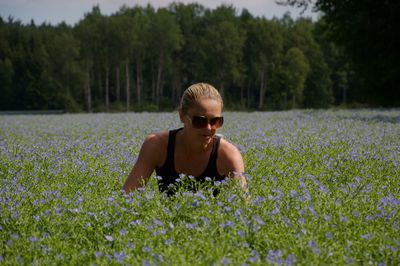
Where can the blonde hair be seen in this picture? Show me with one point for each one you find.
(197, 91)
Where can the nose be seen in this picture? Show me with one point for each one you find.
(211, 127)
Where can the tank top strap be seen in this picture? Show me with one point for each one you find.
(171, 146)
(211, 169)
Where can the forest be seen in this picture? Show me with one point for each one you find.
(141, 59)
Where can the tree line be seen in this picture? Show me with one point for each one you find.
(142, 58)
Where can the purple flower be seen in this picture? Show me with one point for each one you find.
(109, 238)
(286, 221)
(323, 189)
(158, 222)
(367, 236)
(293, 193)
(241, 233)
(122, 232)
(120, 256)
(258, 220)
(329, 235)
(33, 239)
(98, 254)
(238, 213)
(225, 261)
(274, 257)
(343, 219)
(227, 224)
(327, 217)
(275, 212)
(205, 220)
(258, 200)
(313, 246)
(255, 256)
(134, 223)
(290, 260)
(389, 200)
(168, 242)
(36, 218)
(191, 225)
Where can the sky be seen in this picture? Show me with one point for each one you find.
(71, 11)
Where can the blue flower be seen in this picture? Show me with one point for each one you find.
(241, 233)
(367, 236)
(109, 238)
(122, 232)
(290, 260)
(313, 246)
(33, 239)
(130, 244)
(168, 242)
(274, 257)
(258, 220)
(120, 256)
(227, 224)
(191, 225)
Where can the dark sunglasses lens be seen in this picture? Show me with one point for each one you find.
(217, 121)
(199, 121)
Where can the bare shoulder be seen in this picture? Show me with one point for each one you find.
(154, 147)
(227, 148)
(229, 158)
(156, 139)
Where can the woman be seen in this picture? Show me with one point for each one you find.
(194, 150)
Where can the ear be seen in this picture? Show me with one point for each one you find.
(181, 115)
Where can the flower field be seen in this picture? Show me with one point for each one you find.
(324, 185)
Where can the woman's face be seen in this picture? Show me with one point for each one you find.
(205, 107)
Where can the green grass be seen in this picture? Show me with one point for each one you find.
(324, 191)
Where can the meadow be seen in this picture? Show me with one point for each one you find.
(324, 186)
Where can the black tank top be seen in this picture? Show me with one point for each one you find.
(168, 173)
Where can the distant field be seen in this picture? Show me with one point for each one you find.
(325, 188)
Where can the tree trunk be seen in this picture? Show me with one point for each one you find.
(128, 94)
(107, 89)
(221, 88)
(344, 95)
(99, 81)
(139, 80)
(159, 90)
(294, 101)
(221, 77)
(262, 87)
(88, 90)
(242, 102)
(176, 87)
(153, 83)
(249, 98)
(118, 92)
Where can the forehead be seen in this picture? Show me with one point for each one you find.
(206, 107)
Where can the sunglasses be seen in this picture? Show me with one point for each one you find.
(202, 121)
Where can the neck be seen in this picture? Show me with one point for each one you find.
(193, 147)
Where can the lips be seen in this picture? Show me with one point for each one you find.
(206, 136)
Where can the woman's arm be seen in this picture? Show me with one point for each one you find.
(146, 163)
(231, 164)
